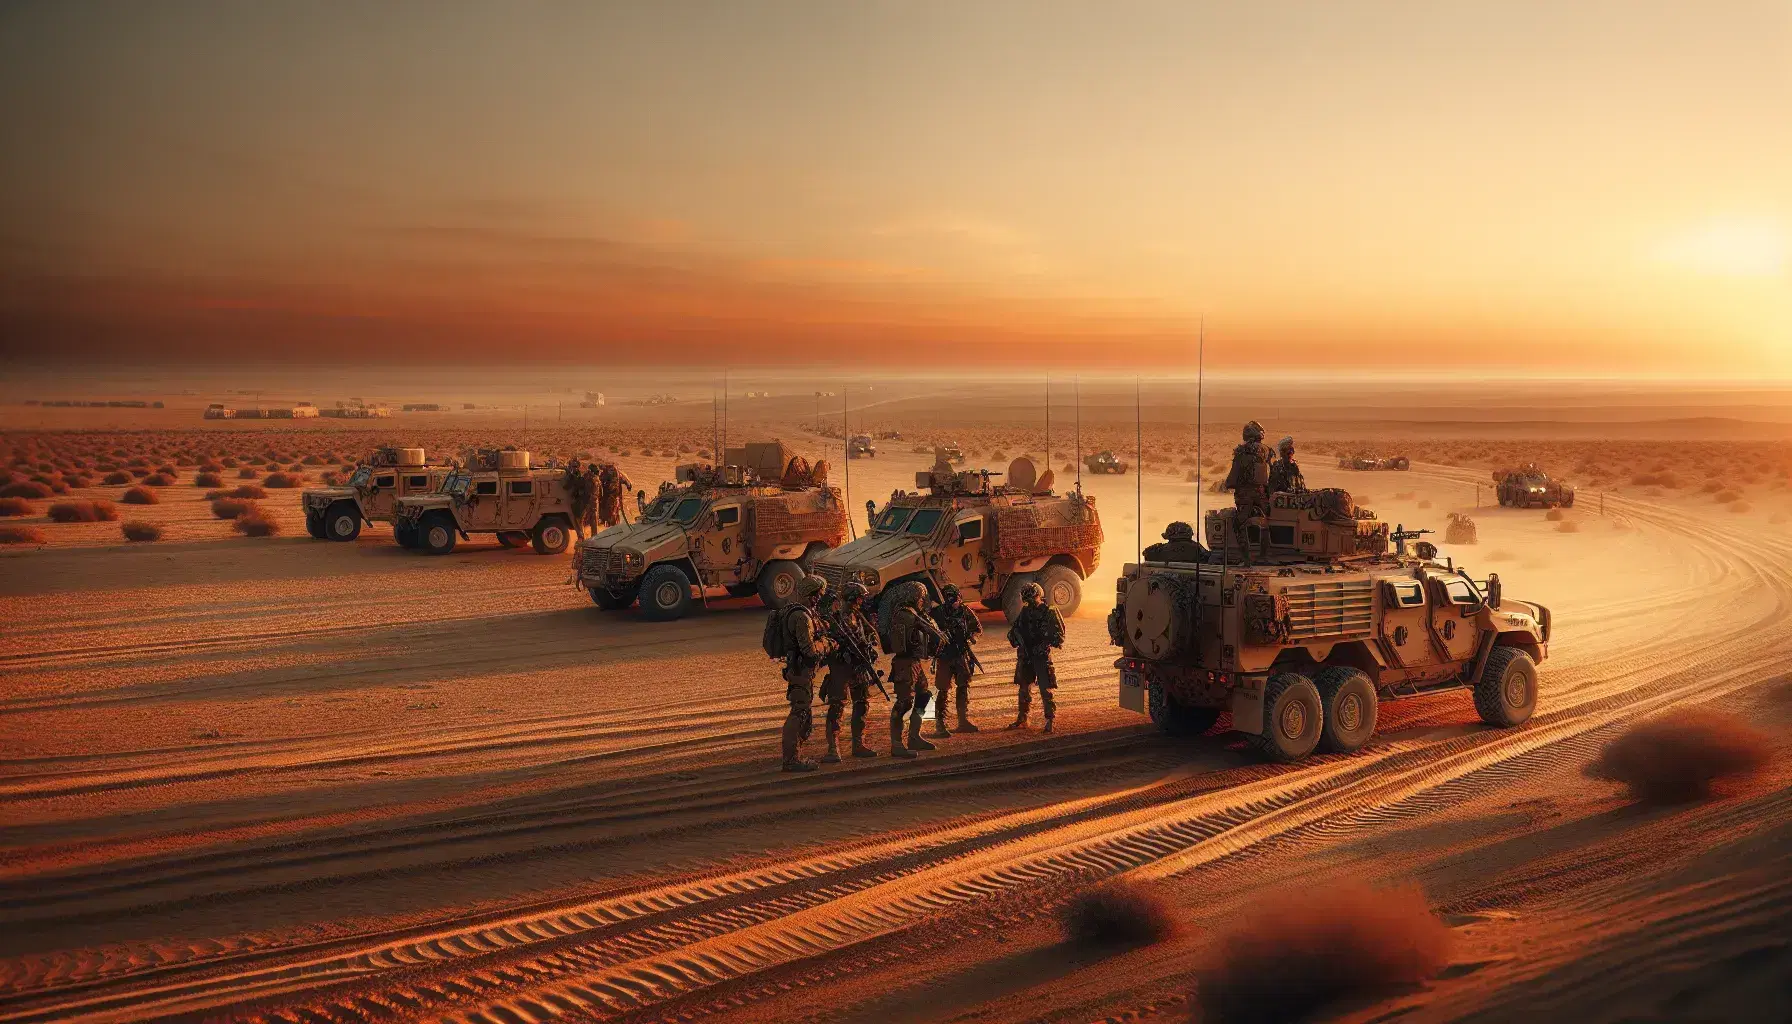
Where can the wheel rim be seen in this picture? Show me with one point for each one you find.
(551, 537)
(1516, 689)
(1350, 712)
(783, 585)
(666, 595)
(438, 537)
(343, 526)
(1293, 719)
(1061, 594)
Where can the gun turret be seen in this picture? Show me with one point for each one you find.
(1401, 535)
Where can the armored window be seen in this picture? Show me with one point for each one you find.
(925, 520)
(1407, 593)
(1462, 592)
(688, 510)
(893, 520)
(522, 487)
(486, 487)
(728, 516)
(385, 481)
(1281, 534)
(417, 481)
(970, 529)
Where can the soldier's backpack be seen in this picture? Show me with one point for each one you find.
(776, 640)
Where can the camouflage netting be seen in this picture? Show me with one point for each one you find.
(1023, 531)
(793, 518)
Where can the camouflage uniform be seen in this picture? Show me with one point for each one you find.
(911, 634)
(588, 496)
(611, 486)
(1033, 635)
(952, 667)
(808, 648)
(1285, 474)
(574, 482)
(843, 681)
(1249, 479)
(1178, 545)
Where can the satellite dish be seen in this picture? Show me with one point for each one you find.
(1021, 474)
(1043, 484)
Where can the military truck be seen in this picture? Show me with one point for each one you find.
(372, 493)
(1104, 462)
(1302, 645)
(989, 539)
(953, 454)
(751, 526)
(490, 491)
(1369, 462)
(861, 447)
(1530, 487)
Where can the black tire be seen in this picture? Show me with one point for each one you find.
(1350, 704)
(1063, 588)
(665, 594)
(1568, 500)
(406, 536)
(1293, 718)
(513, 538)
(1506, 693)
(551, 535)
(777, 582)
(437, 533)
(1011, 601)
(742, 589)
(314, 525)
(612, 602)
(342, 521)
(1175, 719)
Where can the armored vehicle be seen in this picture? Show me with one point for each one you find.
(861, 447)
(1367, 462)
(372, 493)
(951, 453)
(490, 491)
(751, 527)
(1302, 645)
(1531, 487)
(991, 540)
(1104, 462)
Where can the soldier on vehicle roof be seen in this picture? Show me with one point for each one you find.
(1284, 475)
(1037, 630)
(807, 647)
(1178, 545)
(1249, 482)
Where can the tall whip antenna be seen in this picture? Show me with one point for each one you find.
(846, 464)
(1138, 414)
(1048, 421)
(1200, 393)
(1077, 389)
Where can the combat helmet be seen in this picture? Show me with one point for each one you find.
(949, 592)
(908, 595)
(1253, 432)
(1032, 593)
(1179, 530)
(810, 586)
(1286, 444)
(853, 592)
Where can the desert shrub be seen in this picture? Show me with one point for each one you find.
(1740, 507)
(1405, 495)
(255, 523)
(1778, 518)
(248, 473)
(208, 480)
(141, 532)
(139, 472)
(1678, 757)
(1555, 515)
(26, 489)
(168, 470)
(252, 491)
(1711, 487)
(76, 480)
(157, 480)
(1117, 913)
(210, 466)
(14, 507)
(1297, 954)
(22, 535)
(1425, 504)
(83, 512)
(114, 479)
(230, 508)
(312, 460)
(1726, 497)
(283, 480)
(1568, 526)
(139, 496)
(228, 462)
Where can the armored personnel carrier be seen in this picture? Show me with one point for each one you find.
(1530, 487)
(861, 447)
(372, 493)
(1369, 462)
(490, 491)
(1104, 462)
(989, 539)
(1302, 645)
(751, 527)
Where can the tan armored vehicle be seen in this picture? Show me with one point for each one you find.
(750, 527)
(491, 491)
(1369, 462)
(372, 493)
(990, 540)
(1530, 487)
(1302, 646)
(1104, 462)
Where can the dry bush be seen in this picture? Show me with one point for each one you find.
(248, 473)
(1677, 757)
(1117, 913)
(1740, 507)
(1300, 953)
(14, 507)
(1425, 504)
(1569, 526)
(140, 532)
(1655, 479)
(230, 508)
(1500, 556)
(83, 512)
(26, 489)
(312, 460)
(208, 480)
(1405, 495)
(22, 535)
(1726, 497)
(211, 466)
(139, 496)
(1555, 515)
(158, 480)
(139, 472)
(114, 479)
(168, 470)
(229, 462)
(255, 523)
(284, 480)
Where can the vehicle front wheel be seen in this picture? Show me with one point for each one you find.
(1350, 706)
(1174, 718)
(437, 533)
(1011, 602)
(1506, 693)
(777, 582)
(342, 521)
(1063, 588)
(550, 536)
(1292, 718)
(665, 594)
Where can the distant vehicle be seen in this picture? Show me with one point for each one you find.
(1302, 646)
(889, 435)
(951, 453)
(1530, 487)
(491, 491)
(372, 493)
(1104, 462)
(1366, 462)
(861, 447)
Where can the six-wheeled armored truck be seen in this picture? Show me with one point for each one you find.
(751, 526)
(1105, 462)
(1302, 645)
(1531, 487)
(1370, 462)
(494, 491)
(990, 540)
(371, 494)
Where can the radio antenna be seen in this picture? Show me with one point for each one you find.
(1138, 415)
(846, 466)
(1048, 420)
(1200, 393)
(1077, 389)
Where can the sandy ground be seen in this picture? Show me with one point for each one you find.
(291, 780)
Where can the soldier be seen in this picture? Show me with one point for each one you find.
(952, 667)
(573, 481)
(912, 633)
(870, 514)
(612, 485)
(1178, 545)
(845, 679)
(1249, 480)
(589, 487)
(1033, 635)
(1285, 475)
(807, 647)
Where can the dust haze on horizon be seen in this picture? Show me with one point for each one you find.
(1603, 190)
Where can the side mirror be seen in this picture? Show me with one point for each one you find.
(1493, 590)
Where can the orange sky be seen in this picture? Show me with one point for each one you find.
(1589, 187)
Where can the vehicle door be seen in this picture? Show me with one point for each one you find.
(1406, 623)
(414, 483)
(382, 492)
(962, 559)
(483, 506)
(1454, 602)
(721, 530)
(519, 503)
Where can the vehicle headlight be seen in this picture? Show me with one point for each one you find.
(632, 559)
(866, 578)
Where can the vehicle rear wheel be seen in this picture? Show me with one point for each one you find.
(550, 536)
(1011, 602)
(665, 593)
(436, 534)
(1063, 588)
(1350, 708)
(777, 582)
(1506, 693)
(342, 521)
(1292, 718)
(512, 538)
(1174, 718)
(612, 602)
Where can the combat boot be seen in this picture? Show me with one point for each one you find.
(896, 747)
(859, 749)
(964, 716)
(1048, 724)
(1023, 712)
(833, 754)
(939, 723)
(915, 742)
(799, 765)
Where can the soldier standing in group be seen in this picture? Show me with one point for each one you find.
(1249, 481)
(1285, 475)
(612, 485)
(1178, 545)
(844, 679)
(574, 481)
(806, 648)
(589, 485)
(911, 634)
(952, 667)
(1037, 630)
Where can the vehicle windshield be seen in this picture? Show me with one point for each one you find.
(456, 485)
(361, 477)
(893, 519)
(687, 511)
(682, 509)
(925, 520)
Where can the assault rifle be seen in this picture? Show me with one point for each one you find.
(859, 655)
(957, 639)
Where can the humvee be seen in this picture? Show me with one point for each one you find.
(951, 453)
(1531, 487)
(990, 540)
(372, 493)
(861, 447)
(1104, 462)
(490, 491)
(750, 527)
(1366, 462)
(1301, 646)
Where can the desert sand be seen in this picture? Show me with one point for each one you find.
(282, 779)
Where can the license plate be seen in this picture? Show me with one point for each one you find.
(1132, 690)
